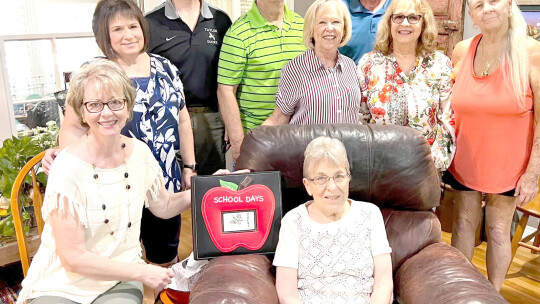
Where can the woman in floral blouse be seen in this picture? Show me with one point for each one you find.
(406, 82)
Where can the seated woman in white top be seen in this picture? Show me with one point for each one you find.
(97, 188)
(332, 249)
(320, 85)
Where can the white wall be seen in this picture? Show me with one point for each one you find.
(150, 4)
(7, 127)
(468, 29)
(301, 6)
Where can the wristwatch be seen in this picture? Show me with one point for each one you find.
(193, 167)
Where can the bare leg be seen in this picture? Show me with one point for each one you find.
(467, 213)
(499, 214)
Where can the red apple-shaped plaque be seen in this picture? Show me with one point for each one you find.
(253, 202)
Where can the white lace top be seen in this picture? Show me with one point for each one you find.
(334, 260)
(72, 178)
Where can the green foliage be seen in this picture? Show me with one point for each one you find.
(14, 154)
(6, 226)
(45, 137)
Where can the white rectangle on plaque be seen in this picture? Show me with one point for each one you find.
(239, 221)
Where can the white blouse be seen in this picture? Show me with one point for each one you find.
(334, 260)
(72, 180)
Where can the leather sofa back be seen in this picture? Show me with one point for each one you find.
(391, 166)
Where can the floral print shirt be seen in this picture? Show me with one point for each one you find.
(155, 117)
(420, 100)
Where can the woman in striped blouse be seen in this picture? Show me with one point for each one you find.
(320, 85)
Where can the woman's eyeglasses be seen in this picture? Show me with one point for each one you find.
(412, 19)
(323, 179)
(97, 106)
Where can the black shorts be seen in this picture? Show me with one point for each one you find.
(450, 180)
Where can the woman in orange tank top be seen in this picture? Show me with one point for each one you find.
(495, 99)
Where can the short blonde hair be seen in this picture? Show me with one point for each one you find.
(325, 148)
(310, 19)
(428, 36)
(109, 76)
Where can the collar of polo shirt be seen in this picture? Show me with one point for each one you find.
(356, 7)
(257, 20)
(172, 14)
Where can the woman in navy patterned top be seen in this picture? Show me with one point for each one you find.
(159, 118)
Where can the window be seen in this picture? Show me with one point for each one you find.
(40, 41)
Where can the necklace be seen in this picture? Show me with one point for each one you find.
(106, 220)
(488, 63)
(398, 105)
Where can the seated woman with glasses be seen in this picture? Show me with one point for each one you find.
(97, 188)
(160, 118)
(406, 82)
(332, 249)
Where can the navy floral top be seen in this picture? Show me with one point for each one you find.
(155, 116)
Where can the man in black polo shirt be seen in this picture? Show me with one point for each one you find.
(189, 33)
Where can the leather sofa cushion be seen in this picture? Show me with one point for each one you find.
(391, 166)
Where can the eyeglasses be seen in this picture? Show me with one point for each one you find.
(97, 106)
(412, 19)
(323, 179)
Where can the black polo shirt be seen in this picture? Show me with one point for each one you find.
(195, 54)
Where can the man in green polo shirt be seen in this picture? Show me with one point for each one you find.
(255, 49)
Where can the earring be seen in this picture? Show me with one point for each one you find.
(475, 26)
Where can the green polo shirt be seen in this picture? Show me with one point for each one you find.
(252, 55)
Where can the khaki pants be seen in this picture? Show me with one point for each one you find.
(122, 293)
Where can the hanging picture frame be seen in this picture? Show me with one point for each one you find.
(531, 13)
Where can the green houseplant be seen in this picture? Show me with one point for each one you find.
(14, 154)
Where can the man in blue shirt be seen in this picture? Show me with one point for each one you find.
(365, 15)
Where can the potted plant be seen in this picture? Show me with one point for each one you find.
(14, 154)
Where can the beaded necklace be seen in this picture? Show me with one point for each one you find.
(106, 220)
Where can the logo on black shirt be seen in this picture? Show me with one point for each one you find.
(211, 38)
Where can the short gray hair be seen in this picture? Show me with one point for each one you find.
(325, 148)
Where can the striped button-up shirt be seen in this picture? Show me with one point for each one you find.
(314, 94)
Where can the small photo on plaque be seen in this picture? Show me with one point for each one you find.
(239, 221)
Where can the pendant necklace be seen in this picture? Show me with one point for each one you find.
(489, 62)
(127, 187)
(398, 106)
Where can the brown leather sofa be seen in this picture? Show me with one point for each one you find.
(391, 167)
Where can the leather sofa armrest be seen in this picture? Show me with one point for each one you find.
(441, 274)
(408, 232)
(238, 279)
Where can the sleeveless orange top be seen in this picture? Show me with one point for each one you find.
(493, 133)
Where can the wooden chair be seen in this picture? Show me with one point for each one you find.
(531, 209)
(37, 198)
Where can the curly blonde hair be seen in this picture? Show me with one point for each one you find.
(428, 37)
